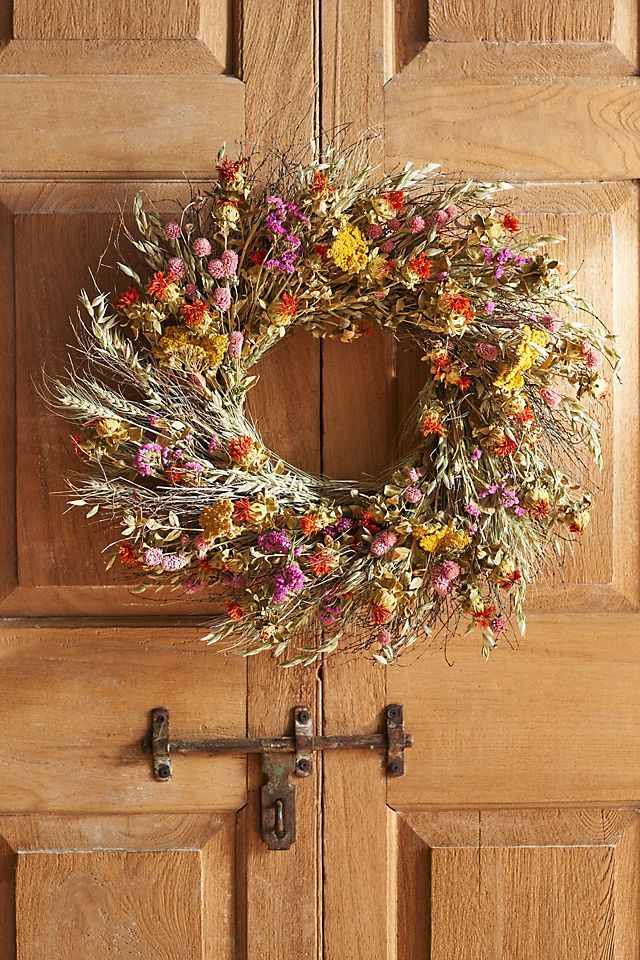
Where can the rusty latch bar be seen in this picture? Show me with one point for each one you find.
(282, 758)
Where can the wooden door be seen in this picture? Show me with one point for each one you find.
(515, 832)
(99, 100)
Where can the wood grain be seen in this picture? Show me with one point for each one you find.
(110, 905)
(109, 844)
(552, 722)
(570, 129)
(284, 907)
(550, 884)
(520, 20)
(113, 124)
(76, 707)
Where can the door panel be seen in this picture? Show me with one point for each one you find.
(121, 886)
(544, 884)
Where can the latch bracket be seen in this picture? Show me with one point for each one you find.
(281, 758)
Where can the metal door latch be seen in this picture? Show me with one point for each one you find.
(282, 757)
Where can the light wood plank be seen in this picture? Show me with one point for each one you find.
(76, 706)
(551, 722)
(569, 129)
(113, 124)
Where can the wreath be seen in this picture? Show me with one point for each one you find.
(504, 424)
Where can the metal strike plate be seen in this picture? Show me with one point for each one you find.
(278, 801)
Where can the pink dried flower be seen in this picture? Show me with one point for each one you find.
(487, 351)
(230, 262)
(384, 636)
(498, 625)
(413, 494)
(441, 585)
(489, 307)
(172, 230)
(213, 443)
(172, 561)
(191, 290)
(222, 298)
(152, 557)
(417, 224)
(551, 323)
(215, 269)
(450, 569)
(374, 231)
(387, 246)
(383, 542)
(591, 355)
(236, 340)
(201, 247)
(412, 475)
(394, 223)
(201, 544)
(176, 268)
(438, 219)
(550, 396)
(452, 211)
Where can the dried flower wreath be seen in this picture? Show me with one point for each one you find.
(458, 527)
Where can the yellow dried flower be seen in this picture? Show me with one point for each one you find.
(216, 520)
(438, 537)
(527, 354)
(349, 250)
(179, 349)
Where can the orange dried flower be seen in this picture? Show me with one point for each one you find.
(158, 285)
(456, 303)
(396, 199)
(234, 611)
(240, 448)
(510, 222)
(126, 554)
(241, 511)
(195, 313)
(432, 424)
(367, 521)
(310, 524)
(420, 265)
(511, 579)
(128, 298)
(463, 383)
(321, 562)
(525, 416)
(381, 614)
(320, 185)
(504, 447)
(288, 305)
(539, 509)
(483, 617)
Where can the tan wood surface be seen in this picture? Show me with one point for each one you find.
(514, 832)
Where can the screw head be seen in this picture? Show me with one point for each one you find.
(394, 768)
(303, 764)
(393, 713)
(164, 771)
(303, 716)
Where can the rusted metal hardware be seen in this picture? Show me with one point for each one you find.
(282, 758)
